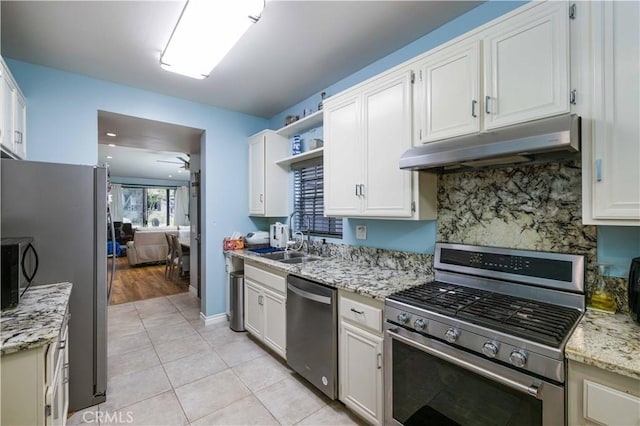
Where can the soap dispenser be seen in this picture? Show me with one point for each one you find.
(602, 299)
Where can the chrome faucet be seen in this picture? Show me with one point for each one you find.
(308, 228)
(308, 233)
(291, 221)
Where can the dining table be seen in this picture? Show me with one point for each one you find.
(185, 242)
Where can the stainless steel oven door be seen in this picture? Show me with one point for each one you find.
(430, 382)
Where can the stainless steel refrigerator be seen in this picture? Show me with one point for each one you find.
(64, 208)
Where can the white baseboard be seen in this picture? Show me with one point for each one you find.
(213, 319)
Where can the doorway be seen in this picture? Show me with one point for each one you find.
(157, 166)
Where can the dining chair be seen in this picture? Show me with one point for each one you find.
(176, 261)
(169, 258)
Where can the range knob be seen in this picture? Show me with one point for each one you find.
(420, 324)
(490, 349)
(451, 335)
(404, 318)
(518, 358)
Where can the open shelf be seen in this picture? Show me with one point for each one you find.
(314, 153)
(306, 123)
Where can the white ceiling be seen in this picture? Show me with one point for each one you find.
(140, 143)
(296, 50)
(143, 163)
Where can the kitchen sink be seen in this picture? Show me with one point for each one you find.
(284, 255)
(305, 259)
(291, 257)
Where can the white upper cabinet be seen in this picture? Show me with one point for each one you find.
(387, 107)
(268, 182)
(13, 120)
(19, 126)
(366, 130)
(526, 66)
(8, 93)
(611, 112)
(514, 70)
(342, 155)
(450, 92)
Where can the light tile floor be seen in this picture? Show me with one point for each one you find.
(166, 368)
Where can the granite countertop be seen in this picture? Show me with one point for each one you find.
(374, 281)
(607, 341)
(37, 320)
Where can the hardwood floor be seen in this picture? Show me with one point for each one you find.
(134, 283)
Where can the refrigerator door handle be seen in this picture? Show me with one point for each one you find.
(101, 287)
(113, 255)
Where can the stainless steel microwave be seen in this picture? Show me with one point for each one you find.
(19, 267)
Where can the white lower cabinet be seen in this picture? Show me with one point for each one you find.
(275, 320)
(35, 385)
(360, 356)
(599, 397)
(265, 314)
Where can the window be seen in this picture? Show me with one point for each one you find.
(308, 199)
(148, 206)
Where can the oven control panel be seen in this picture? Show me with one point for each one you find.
(485, 343)
(510, 263)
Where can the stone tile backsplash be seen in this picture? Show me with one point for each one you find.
(537, 207)
(391, 259)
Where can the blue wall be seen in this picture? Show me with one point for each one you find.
(413, 236)
(62, 126)
(616, 245)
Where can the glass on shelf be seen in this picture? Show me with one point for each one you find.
(602, 299)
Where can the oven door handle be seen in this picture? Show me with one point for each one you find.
(534, 389)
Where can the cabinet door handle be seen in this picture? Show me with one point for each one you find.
(362, 189)
(379, 361)
(66, 373)
(260, 300)
(486, 104)
(261, 198)
(357, 311)
(473, 108)
(18, 137)
(356, 185)
(62, 344)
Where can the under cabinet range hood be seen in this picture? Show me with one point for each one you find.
(548, 139)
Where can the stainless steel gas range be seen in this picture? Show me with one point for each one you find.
(483, 344)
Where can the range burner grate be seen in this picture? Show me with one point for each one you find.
(536, 321)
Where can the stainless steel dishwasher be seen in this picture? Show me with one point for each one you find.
(312, 333)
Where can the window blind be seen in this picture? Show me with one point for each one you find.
(308, 198)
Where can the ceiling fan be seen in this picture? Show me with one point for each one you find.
(184, 163)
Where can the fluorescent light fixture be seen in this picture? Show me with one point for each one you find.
(112, 144)
(170, 175)
(206, 32)
(111, 134)
(109, 157)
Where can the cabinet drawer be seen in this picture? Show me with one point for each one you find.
(266, 278)
(56, 349)
(361, 314)
(608, 406)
